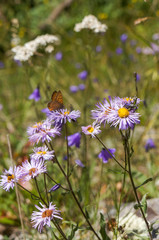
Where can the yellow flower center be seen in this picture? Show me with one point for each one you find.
(35, 126)
(66, 113)
(32, 170)
(123, 112)
(128, 99)
(47, 213)
(10, 177)
(42, 152)
(90, 129)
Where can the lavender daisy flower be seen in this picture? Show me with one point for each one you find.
(63, 115)
(105, 155)
(58, 56)
(42, 153)
(34, 129)
(81, 87)
(119, 51)
(46, 111)
(123, 117)
(74, 89)
(35, 95)
(44, 216)
(83, 75)
(55, 187)
(149, 144)
(101, 113)
(32, 169)
(74, 139)
(91, 129)
(9, 178)
(123, 37)
(46, 132)
(79, 163)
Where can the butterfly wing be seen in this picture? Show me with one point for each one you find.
(57, 101)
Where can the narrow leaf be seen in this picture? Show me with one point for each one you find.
(103, 228)
(146, 181)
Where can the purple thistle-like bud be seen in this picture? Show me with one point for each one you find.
(35, 95)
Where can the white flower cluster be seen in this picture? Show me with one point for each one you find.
(23, 53)
(90, 22)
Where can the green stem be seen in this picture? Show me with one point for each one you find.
(28, 191)
(47, 197)
(135, 191)
(68, 160)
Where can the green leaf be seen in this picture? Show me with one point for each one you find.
(103, 227)
(146, 181)
(144, 203)
(74, 229)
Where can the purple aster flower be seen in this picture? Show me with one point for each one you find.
(123, 37)
(100, 114)
(74, 89)
(1, 64)
(79, 163)
(9, 178)
(74, 139)
(32, 169)
(98, 48)
(35, 95)
(138, 49)
(83, 75)
(149, 145)
(44, 216)
(63, 115)
(123, 117)
(42, 153)
(46, 132)
(119, 51)
(91, 129)
(34, 129)
(55, 187)
(81, 87)
(105, 155)
(58, 56)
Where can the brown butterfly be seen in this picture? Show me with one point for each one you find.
(56, 101)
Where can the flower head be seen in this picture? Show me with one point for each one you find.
(124, 37)
(44, 216)
(122, 116)
(58, 56)
(64, 115)
(45, 132)
(32, 169)
(105, 155)
(81, 87)
(91, 129)
(92, 23)
(79, 163)
(42, 153)
(35, 95)
(74, 139)
(74, 89)
(119, 51)
(83, 75)
(149, 144)
(9, 178)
